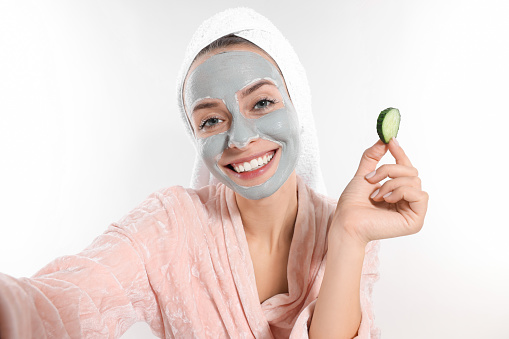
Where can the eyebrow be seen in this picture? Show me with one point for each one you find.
(204, 105)
(245, 92)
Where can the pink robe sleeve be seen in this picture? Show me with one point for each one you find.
(98, 293)
(370, 274)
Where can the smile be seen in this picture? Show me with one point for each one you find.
(253, 164)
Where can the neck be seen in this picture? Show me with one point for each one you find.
(269, 222)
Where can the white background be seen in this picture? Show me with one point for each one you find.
(89, 127)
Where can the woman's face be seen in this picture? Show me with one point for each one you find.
(243, 119)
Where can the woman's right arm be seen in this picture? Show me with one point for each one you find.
(97, 293)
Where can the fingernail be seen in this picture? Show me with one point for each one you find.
(375, 193)
(385, 196)
(370, 175)
(395, 141)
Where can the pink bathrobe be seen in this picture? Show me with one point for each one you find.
(180, 262)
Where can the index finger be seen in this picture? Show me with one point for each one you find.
(371, 157)
(398, 153)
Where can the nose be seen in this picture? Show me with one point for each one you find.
(242, 132)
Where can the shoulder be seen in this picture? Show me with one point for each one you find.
(200, 197)
(317, 199)
(170, 206)
(316, 210)
(324, 199)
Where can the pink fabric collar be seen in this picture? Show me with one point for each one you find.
(307, 251)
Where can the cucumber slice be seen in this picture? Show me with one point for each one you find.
(387, 125)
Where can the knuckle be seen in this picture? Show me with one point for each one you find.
(366, 156)
(387, 186)
(384, 169)
(418, 227)
(425, 195)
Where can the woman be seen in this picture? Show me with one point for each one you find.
(253, 249)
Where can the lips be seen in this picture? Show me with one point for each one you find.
(253, 166)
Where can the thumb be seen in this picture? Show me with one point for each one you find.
(371, 157)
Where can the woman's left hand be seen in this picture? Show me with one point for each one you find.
(369, 211)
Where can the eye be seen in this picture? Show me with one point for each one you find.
(264, 103)
(210, 122)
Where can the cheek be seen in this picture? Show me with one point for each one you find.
(280, 125)
(212, 147)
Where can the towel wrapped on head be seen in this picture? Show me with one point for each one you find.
(248, 24)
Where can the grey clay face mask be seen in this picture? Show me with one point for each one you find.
(221, 77)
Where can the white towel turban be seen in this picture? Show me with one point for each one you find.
(248, 24)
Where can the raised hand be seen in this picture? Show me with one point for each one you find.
(369, 211)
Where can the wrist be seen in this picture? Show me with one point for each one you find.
(340, 238)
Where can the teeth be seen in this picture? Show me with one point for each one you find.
(253, 164)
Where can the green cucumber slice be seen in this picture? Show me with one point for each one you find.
(387, 125)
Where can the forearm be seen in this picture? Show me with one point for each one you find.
(337, 311)
(88, 294)
(18, 314)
